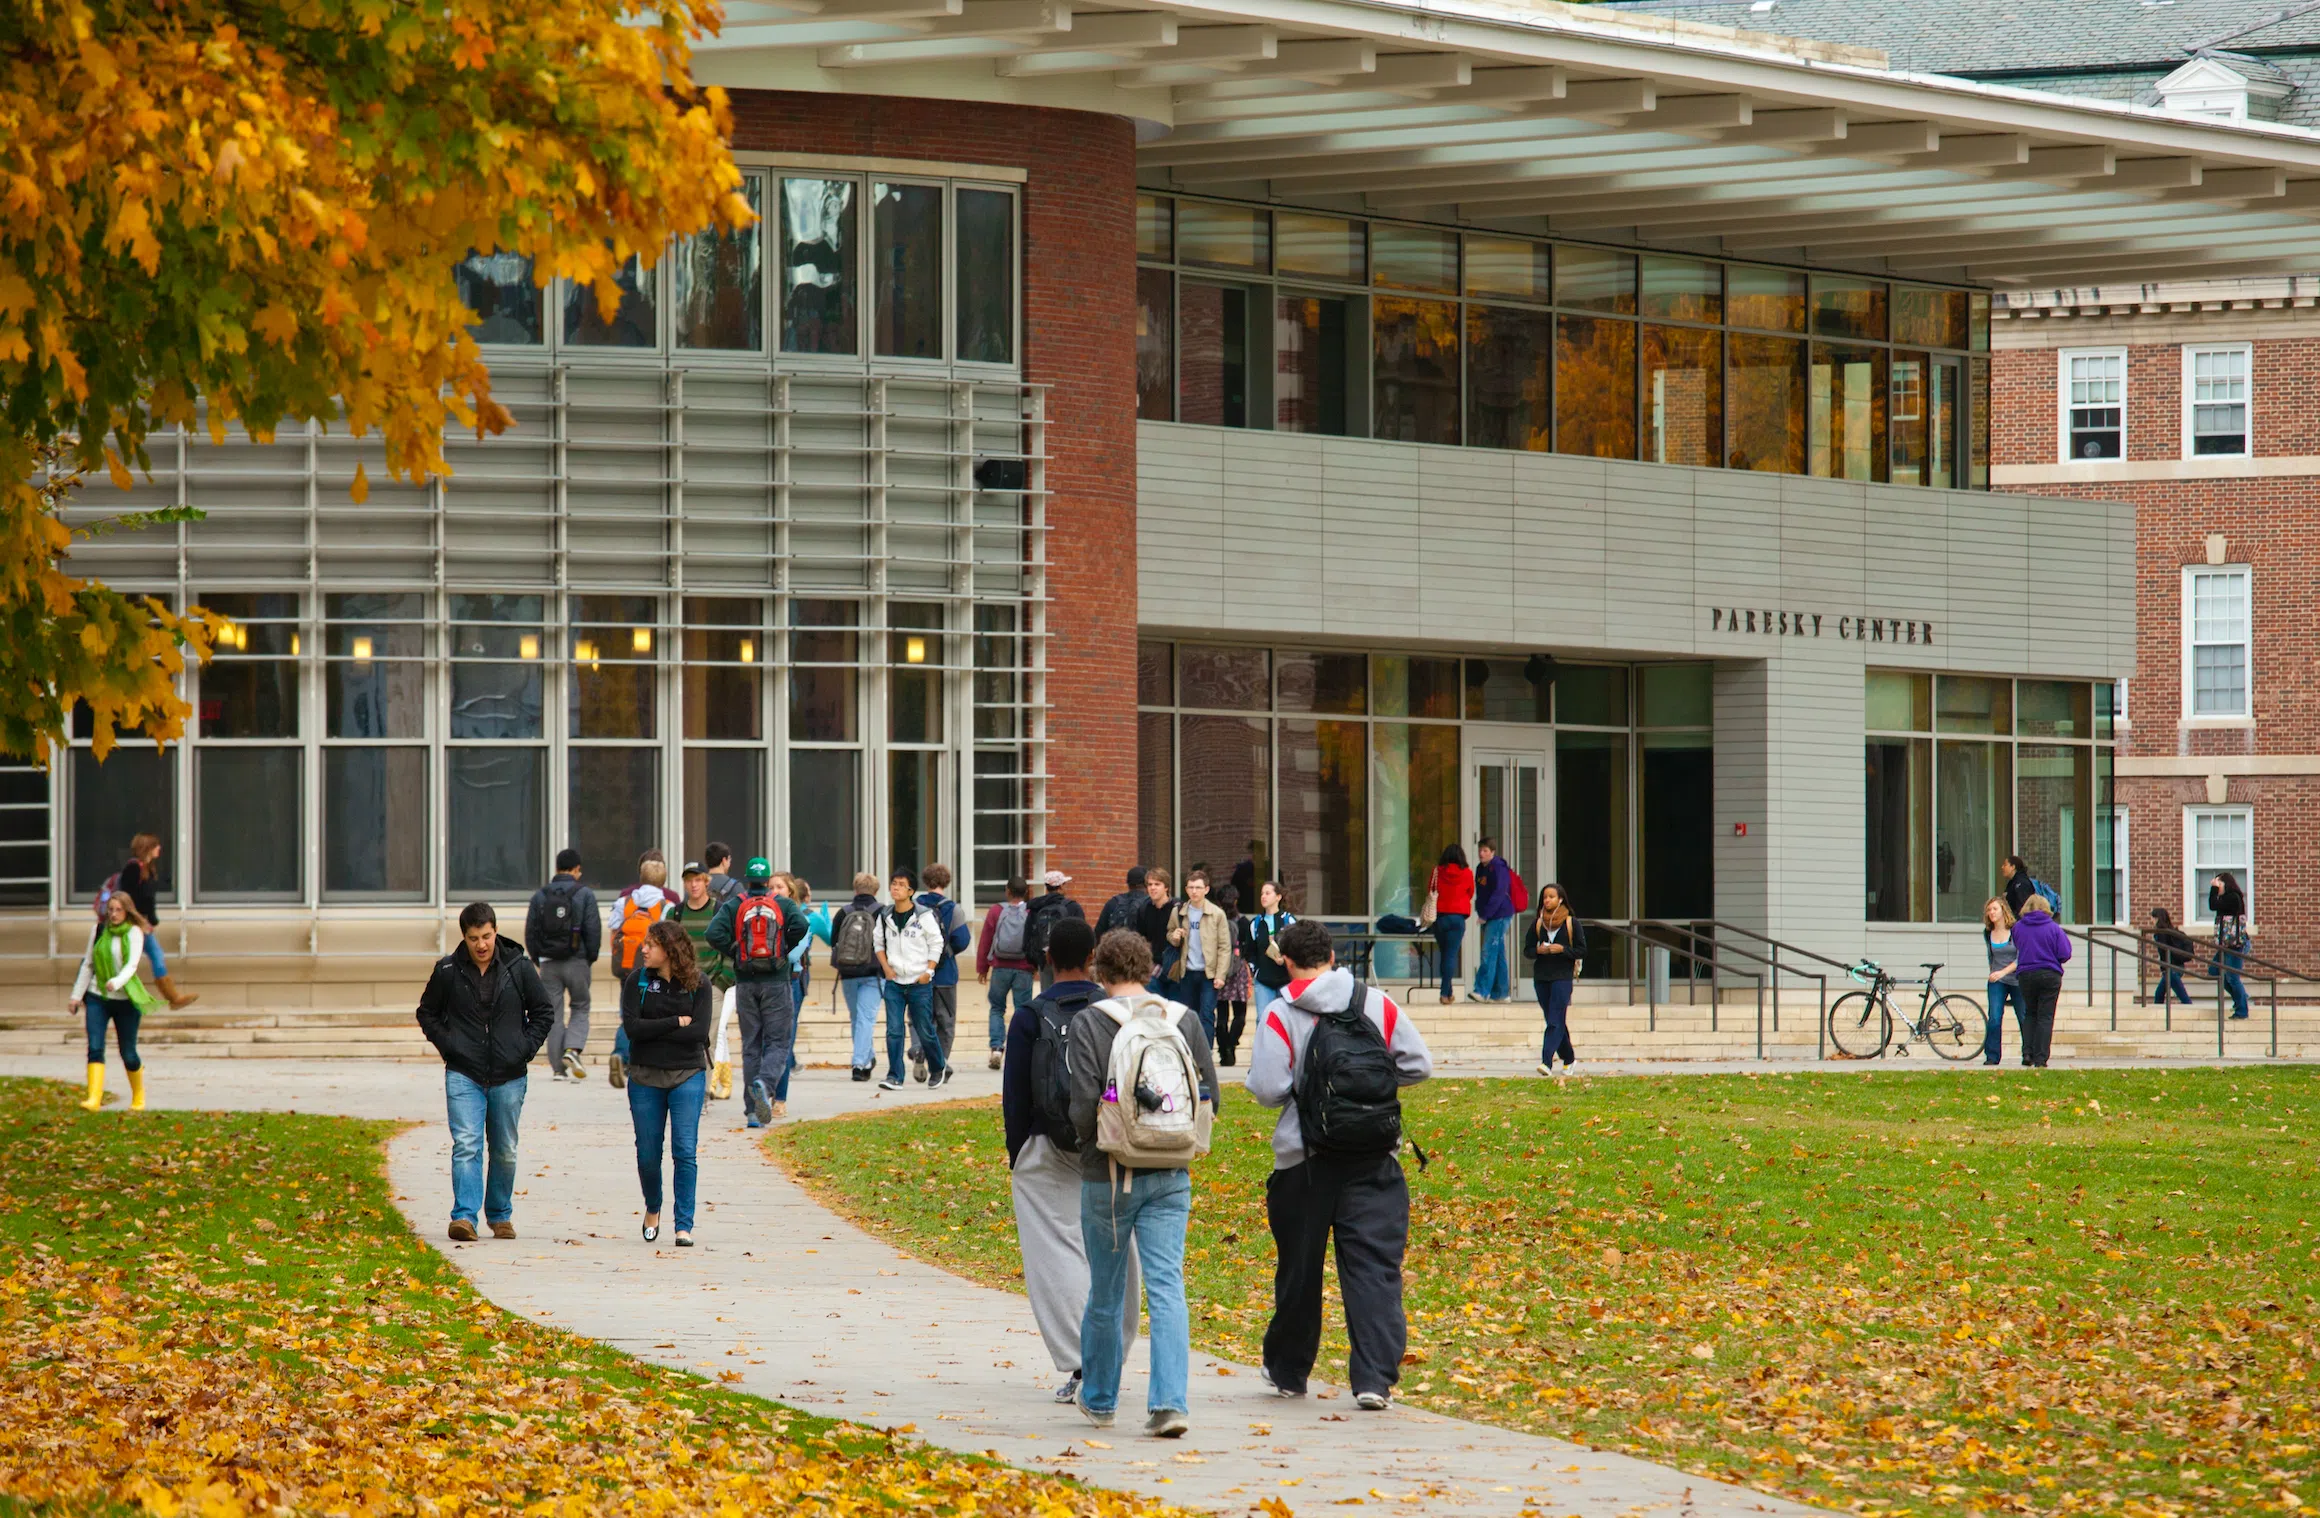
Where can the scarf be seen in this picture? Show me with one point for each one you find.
(107, 956)
(1554, 920)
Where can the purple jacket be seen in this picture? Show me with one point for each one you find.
(1494, 891)
(2039, 944)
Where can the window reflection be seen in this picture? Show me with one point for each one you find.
(1227, 237)
(822, 648)
(720, 284)
(1683, 394)
(907, 222)
(1155, 345)
(1324, 247)
(1595, 279)
(986, 276)
(1847, 427)
(1847, 307)
(1415, 258)
(1683, 290)
(1507, 389)
(1507, 268)
(1768, 405)
(498, 288)
(1214, 354)
(1416, 370)
(1309, 372)
(1772, 299)
(1595, 387)
(817, 266)
(633, 324)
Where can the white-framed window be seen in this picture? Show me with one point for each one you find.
(2215, 641)
(2113, 891)
(2217, 840)
(2094, 403)
(2215, 400)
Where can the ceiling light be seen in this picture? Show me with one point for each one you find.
(528, 646)
(914, 650)
(641, 640)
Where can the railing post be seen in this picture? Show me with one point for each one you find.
(2114, 948)
(2274, 1052)
(1760, 1016)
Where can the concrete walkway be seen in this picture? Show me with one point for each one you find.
(809, 1310)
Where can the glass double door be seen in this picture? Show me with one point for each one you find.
(1510, 798)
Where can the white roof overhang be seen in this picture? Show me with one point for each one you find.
(1605, 125)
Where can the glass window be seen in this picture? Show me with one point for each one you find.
(2053, 799)
(1310, 351)
(1508, 357)
(1935, 318)
(1155, 227)
(986, 279)
(1848, 307)
(1906, 411)
(1683, 395)
(249, 819)
(721, 677)
(2217, 841)
(1682, 290)
(1507, 268)
(1156, 789)
(1972, 793)
(823, 651)
(499, 289)
(1943, 402)
(1224, 237)
(1227, 793)
(495, 669)
(612, 643)
(1324, 247)
(26, 836)
(2094, 404)
(1899, 832)
(1771, 300)
(1594, 385)
(494, 838)
(2113, 886)
(1768, 404)
(374, 822)
(914, 682)
(249, 689)
(998, 674)
(719, 300)
(1232, 679)
(914, 806)
(1155, 345)
(1502, 690)
(1676, 775)
(1415, 369)
(817, 267)
(725, 800)
(1155, 674)
(1679, 695)
(2055, 708)
(1591, 695)
(1595, 279)
(1591, 823)
(1898, 703)
(1334, 683)
(375, 680)
(1978, 303)
(1213, 349)
(1847, 425)
(1323, 775)
(613, 806)
(825, 809)
(907, 223)
(635, 320)
(1967, 705)
(1414, 687)
(1978, 430)
(1416, 258)
(998, 822)
(133, 791)
(1417, 780)
(2219, 642)
(2219, 400)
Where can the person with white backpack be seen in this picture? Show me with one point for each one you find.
(1003, 959)
(1143, 1103)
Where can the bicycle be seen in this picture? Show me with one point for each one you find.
(1861, 1022)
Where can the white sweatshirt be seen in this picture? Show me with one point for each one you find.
(118, 986)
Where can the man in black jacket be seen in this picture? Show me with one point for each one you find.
(487, 1014)
(563, 932)
(1121, 910)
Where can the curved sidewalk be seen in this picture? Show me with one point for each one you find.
(791, 1302)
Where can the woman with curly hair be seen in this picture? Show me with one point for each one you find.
(667, 1009)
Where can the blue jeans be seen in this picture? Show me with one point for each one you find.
(797, 1002)
(1490, 978)
(122, 1013)
(2227, 963)
(863, 994)
(1261, 996)
(1153, 1213)
(917, 1003)
(678, 1110)
(1994, 1036)
(1006, 982)
(1555, 1001)
(154, 957)
(1198, 992)
(2172, 980)
(1449, 932)
(620, 1045)
(481, 1115)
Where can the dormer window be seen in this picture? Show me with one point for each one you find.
(2224, 88)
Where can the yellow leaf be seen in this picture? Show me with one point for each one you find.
(360, 490)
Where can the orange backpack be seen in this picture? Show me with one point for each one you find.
(629, 932)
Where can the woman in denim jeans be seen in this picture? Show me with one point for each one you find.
(1998, 939)
(667, 1008)
(2174, 948)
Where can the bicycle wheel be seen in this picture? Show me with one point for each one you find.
(1954, 1026)
(1860, 1025)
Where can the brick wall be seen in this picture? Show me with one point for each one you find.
(1079, 324)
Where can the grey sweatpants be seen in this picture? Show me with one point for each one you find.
(566, 981)
(763, 1009)
(1055, 1268)
(946, 1021)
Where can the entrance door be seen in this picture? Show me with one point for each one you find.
(1510, 791)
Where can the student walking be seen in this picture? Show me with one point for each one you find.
(1232, 999)
(487, 1014)
(668, 1007)
(1047, 909)
(1003, 963)
(1449, 902)
(2227, 904)
(909, 943)
(2005, 981)
(563, 935)
(1143, 1094)
(107, 991)
(1152, 921)
(1202, 942)
(801, 974)
(1120, 911)
(853, 938)
(1495, 905)
(633, 911)
(1333, 1056)
(2019, 885)
(1043, 1158)
(2174, 949)
(956, 936)
(139, 880)
(717, 859)
(756, 930)
(695, 910)
(1557, 945)
(2041, 949)
(1258, 932)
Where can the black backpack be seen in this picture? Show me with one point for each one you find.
(560, 925)
(1045, 913)
(1051, 1066)
(1349, 1099)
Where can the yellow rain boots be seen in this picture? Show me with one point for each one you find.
(96, 1097)
(137, 1091)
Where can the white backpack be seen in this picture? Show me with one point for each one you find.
(1153, 1114)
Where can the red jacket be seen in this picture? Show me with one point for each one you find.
(1453, 888)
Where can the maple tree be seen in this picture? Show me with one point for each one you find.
(250, 212)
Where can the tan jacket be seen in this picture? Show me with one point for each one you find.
(1215, 939)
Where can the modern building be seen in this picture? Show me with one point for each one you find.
(1310, 432)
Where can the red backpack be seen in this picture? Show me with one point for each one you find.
(1517, 892)
(764, 933)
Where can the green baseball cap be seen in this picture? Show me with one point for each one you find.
(758, 869)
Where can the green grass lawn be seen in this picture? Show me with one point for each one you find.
(217, 1315)
(2039, 1292)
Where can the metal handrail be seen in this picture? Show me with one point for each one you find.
(1715, 966)
(1693, 936)
(2146, 952)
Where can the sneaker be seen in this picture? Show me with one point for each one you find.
(861, 1072)
(894, 1083)
(781, 1109)
(1100, 1420)
(753, 1122)
(1226, 1058)
(616, 1072)
(462, 1231)
(1546, 1069)
(1068, 1392)
(997, 1056)
(1166, 1423)
(1265, 1374)
(918, 1068)
(760, 1105)
(1371, 1402)
(942, 1077)
(572, 1065)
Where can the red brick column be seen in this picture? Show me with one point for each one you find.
(1079, 323)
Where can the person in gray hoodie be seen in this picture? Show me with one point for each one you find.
(1363, 1201)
